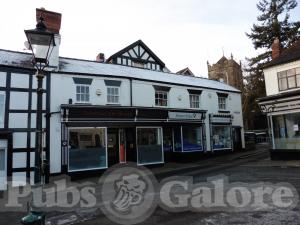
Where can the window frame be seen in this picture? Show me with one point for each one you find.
(114, 95)
(86, 94)
(161, 92)
(2, 109)
(286, 75)
(193, 101)
(106, 150)
(162, 145)
(220, 103)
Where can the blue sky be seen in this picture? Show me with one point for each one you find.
(181, 32)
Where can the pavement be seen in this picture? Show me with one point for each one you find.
(239, 166)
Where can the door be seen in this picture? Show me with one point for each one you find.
(122, 149)
(113, 146)
(237, 138)
(3, 164)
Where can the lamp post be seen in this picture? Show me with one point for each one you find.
(41, 43)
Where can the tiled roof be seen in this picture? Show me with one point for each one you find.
(288, 55)
(85, 67)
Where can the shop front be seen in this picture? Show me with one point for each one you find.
(283, 115)
(96, 137)
(221, 132)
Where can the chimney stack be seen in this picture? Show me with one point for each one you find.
(276, 48)
(100, 57)
(53, 23)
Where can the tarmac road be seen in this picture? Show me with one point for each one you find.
(256, 167)
(250, 167)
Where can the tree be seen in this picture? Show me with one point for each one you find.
(273, 22)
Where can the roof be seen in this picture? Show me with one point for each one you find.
(141, 43)
(86, 67)
(289, 54)
(280, 95)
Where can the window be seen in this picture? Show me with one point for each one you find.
(194, 101)
(221, 137)
(222, 102)
(286, 131)
(113, 95)
(87, 149)
(161, 98)
(2, 109)
(289, 79)
(82, 93)
(138, 64)
(149, 145)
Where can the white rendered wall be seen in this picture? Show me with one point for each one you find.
(271, 80)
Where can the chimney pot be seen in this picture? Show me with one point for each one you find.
(100, 57)
(276, 48)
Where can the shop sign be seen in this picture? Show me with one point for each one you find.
(221, 120)
(185, 116)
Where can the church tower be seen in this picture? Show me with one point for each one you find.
(227, 71)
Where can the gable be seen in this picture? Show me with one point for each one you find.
(137, 55)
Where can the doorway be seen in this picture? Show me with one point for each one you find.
(3, 164)
(237, 138)
(113, 146)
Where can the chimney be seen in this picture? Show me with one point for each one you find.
(53, 23)
(100, 57)
(276, 48)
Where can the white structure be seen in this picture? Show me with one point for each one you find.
(282, 79)
(101, 113)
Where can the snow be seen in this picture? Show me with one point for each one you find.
(68, 65)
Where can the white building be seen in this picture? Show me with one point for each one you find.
(281, 105)
(99, 113)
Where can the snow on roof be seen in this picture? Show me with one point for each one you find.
(68, 65)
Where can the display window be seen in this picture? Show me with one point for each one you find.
(87, 149)
(286, 131)
(221, 137)
(149, 145)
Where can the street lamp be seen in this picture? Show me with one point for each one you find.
(41, 43)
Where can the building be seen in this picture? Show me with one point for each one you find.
(186, 71)
(281, 105)
(103, 112)
(227, 71)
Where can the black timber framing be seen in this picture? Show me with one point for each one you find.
(7, 132)
(137, 43)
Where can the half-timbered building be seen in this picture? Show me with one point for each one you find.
(99, 113)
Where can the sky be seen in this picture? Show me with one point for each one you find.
(182, 33)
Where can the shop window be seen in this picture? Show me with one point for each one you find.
(177, 139)
(192, 139)
(2, 109)
(87, 149)
(149, 146)
(113, 95)
(221, 137)
(286, 131)
(82, 93)
(2, 159)
(161, 98)
(168, 140)
(194, 101)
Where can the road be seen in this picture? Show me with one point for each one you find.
(251, 168)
